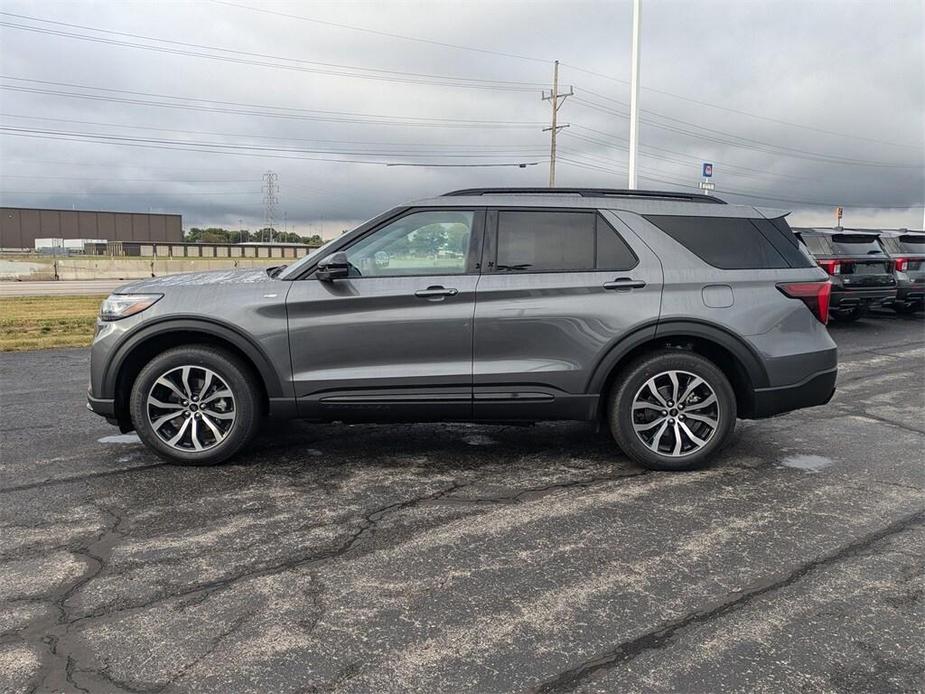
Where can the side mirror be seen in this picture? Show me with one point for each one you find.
(333, 267)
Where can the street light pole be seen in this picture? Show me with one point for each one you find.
(634, 99)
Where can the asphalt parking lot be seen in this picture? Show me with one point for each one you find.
(469, 558)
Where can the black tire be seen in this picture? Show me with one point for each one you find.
(633, 378)
(848, 315)
(238, 378)
(906, 309)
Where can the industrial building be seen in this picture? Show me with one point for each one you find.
(20, 226)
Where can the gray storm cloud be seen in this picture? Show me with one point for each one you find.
(181, 107)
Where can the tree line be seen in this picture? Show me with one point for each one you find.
(219, 235)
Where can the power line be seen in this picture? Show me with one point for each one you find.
(116, 139)
(721, 137)
(217, 106)
(187, 146)
(249, 58)
(644, 151)
(741, 193)
(382, 33)
(401, 146)
(129, 180)
(740, 112)
(611, 78)
(147, 193)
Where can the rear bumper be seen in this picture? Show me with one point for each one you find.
(849, 298)
(816, 390)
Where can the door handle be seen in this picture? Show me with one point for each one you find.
(436, 293)
(624, 283)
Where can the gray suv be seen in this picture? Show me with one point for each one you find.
(906, 249)
(663, 316)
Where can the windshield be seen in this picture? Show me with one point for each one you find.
(293, 269)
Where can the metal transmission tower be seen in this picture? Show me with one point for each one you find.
(557, 99)
(270, 201)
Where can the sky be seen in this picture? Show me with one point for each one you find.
(183, 106)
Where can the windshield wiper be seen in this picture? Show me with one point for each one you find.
(524, 266)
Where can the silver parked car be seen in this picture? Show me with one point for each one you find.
(664, 316)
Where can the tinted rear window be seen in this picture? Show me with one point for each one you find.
(817, 245)
(544, 241)
(913, 243)
(855, 244)
(734, 243)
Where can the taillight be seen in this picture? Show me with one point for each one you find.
(900, 264)
(815, 295)
(833, 267)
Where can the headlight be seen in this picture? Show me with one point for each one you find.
(118, 306)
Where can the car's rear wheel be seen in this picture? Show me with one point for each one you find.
(906, 309)
(195, 405)
(848, 314)
(672, 410)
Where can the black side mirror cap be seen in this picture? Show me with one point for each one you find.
(333, 267)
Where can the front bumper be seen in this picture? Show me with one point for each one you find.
(104, 407)
(816, 390)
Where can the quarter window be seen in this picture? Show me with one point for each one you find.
(728, 243)
(422, 243)
(545, 241)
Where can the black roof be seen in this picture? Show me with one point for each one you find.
(590, 193)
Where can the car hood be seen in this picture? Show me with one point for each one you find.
(196, 279)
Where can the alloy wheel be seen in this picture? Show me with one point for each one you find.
(191, 408)
(675, 413)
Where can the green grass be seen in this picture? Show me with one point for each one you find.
(43, 322)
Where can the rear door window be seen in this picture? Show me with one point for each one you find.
(728, 243)
(559, 241)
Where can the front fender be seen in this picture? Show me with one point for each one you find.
(207, 326)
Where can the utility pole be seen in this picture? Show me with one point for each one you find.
(557, 99)
(270, 200)
(634, 99)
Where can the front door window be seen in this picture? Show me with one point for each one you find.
(419, 244)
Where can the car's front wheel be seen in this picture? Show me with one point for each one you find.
(195, 405)
(672, 410)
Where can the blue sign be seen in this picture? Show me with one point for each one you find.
(707, 170)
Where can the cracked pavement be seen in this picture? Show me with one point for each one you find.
(469, 558)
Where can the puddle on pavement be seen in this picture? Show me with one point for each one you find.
(807, 463)
(120, 438)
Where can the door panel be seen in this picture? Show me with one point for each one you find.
(358, 342)
(393, 339)
(538, 336)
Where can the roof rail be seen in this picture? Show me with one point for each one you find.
(590, 193)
